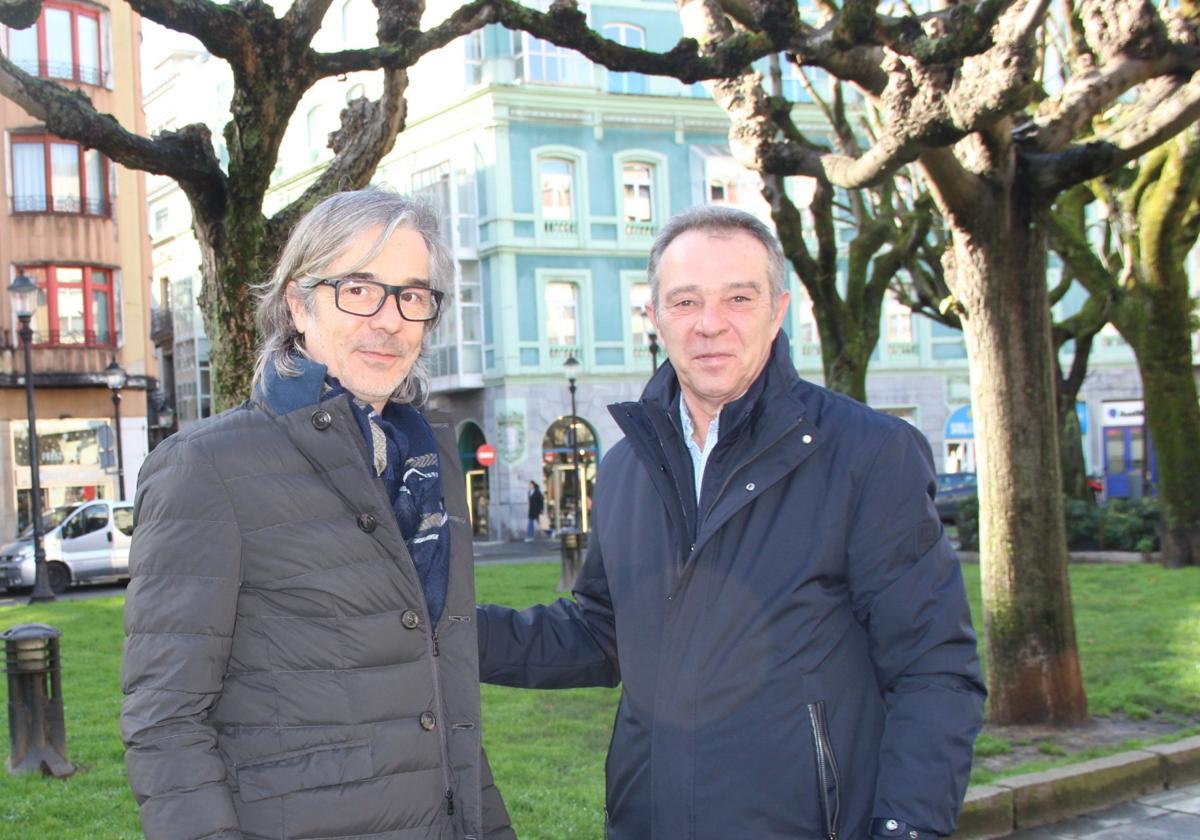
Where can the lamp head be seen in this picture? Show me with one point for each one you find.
(24, 292)
(571, 368)
(115, 376)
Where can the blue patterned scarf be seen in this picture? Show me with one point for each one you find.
(403, 453)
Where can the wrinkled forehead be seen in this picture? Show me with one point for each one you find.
(707, 256)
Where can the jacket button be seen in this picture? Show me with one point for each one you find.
(366, 523)
(806, 439)
(321, 419)
(410, 619)
(750, 487)
(428, 721)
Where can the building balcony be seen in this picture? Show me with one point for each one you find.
(70, 361)
(69, 204)
(162, 327)
(559, 352)
(645, 230)
(560, 227)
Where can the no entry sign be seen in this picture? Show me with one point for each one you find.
(485, 454)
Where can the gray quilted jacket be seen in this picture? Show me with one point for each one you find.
(281, 678)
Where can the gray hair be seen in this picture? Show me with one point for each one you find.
(315, 242)
(717, 219)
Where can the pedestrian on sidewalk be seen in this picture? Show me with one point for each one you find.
(300, 659)
(767, 577)
(537, 504)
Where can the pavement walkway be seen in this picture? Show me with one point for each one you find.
(538, 551)
(1167, 815)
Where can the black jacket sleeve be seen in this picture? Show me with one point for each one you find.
(907, 589)
(566, 644)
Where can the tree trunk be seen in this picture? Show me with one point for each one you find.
(1155, 319)
(1074, 467)
(997, 270)
(846, 369)
(236, 253)
(1173, 417)
(1070, 434)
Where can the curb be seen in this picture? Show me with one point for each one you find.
(1109, 558)
(1034, 799)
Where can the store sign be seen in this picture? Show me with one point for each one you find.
(1124, 413)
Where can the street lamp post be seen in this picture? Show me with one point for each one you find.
(571, 369)
(24, 294)
(116, 377)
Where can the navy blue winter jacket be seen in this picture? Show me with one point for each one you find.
(796, 652)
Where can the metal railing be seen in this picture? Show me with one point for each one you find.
(162, 324)
(86, 73)
(74, 338)
(559, 227)
(42, 203)
(646, 229)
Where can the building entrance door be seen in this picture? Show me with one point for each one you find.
(477, 501)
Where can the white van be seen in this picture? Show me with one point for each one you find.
(84, 543)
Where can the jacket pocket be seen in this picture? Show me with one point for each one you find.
(314, 767)
(827, 770)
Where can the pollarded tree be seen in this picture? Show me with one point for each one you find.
(273, 64)
(1138, 262)
(955, 88)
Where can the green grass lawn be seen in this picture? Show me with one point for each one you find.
(1139, 637)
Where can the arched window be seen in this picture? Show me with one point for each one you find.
(627, 35)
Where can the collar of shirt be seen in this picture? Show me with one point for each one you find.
(699, 455)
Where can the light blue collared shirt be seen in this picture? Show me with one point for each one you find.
(699, 456)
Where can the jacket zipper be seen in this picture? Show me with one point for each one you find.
(689, 539)
(440, 724)
(827, 770)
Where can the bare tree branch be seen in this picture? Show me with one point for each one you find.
(367, 133)
(1165, 111)
(1068, 114)
(304, 18)
(221, 28)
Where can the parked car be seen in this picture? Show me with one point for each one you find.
(952, 488)
(84, 543)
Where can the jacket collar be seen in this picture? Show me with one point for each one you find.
(778, 379)
(285, 394)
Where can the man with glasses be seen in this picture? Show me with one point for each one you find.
(300, 655)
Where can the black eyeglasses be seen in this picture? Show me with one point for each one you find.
(366, 297)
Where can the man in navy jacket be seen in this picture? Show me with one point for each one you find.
(767, 577)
